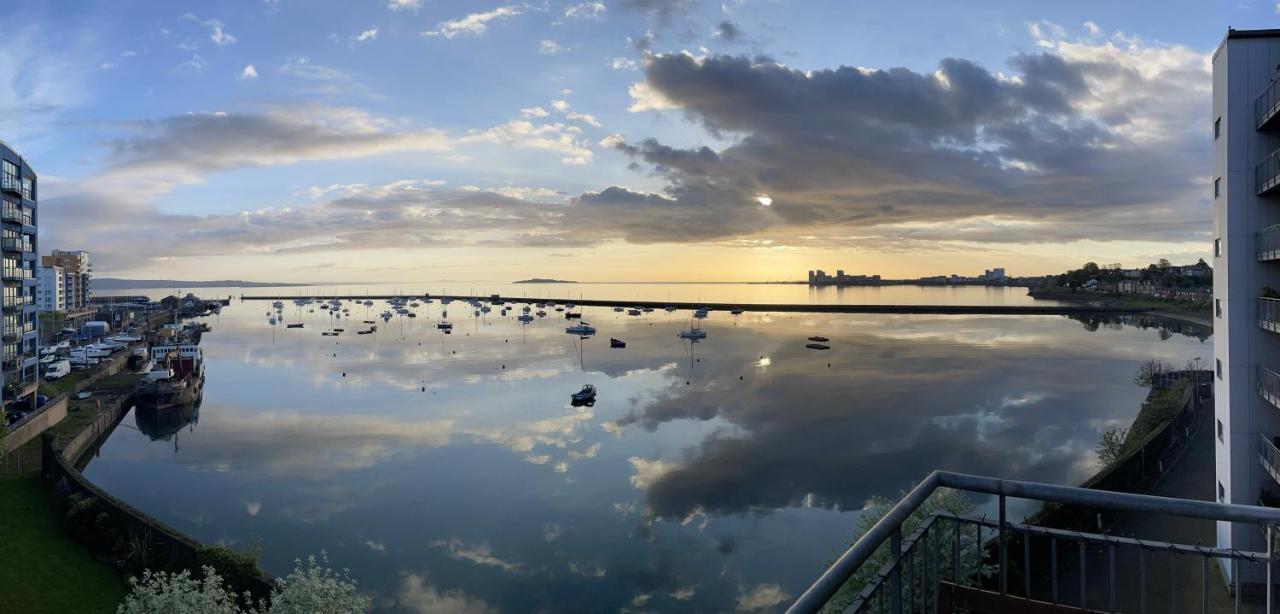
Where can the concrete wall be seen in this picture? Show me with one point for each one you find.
(52, 413)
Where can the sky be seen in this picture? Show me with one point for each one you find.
(614, 140)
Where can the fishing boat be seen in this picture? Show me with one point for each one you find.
(582, 329)
(177, 378)
(617, 343)
(588, 393)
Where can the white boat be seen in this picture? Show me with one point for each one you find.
(581, 328)
(588, 393)
(693, 333)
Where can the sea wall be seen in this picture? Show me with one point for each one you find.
(55, 409)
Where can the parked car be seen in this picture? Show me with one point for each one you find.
(14, 415)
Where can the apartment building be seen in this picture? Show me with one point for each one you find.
(77, 271)
(18, 216)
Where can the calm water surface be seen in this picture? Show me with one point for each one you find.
(451, 473)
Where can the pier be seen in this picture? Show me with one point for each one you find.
(774, 307)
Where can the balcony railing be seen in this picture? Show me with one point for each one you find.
(18, 274)
(12, 213)
(1266, 106)
(1268, 243)
(1270, 457)
(11, 302)
(10, 183)
(952, 558)
(1266, 176)
(1269, 314)
(1269, 385)
(15, 245)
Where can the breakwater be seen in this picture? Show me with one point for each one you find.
(773, 307)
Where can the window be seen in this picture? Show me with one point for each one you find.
(1217, 187)
(1217, 128)
(1219, 367)
(1217, 307)
(1220, 437)
(1222, 493)
(1217, 248)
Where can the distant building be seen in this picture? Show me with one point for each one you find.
(51, 289)
(996, 274)
(78, 276)
(820, 278)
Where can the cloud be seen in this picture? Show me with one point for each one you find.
(549, 47)
(318, 78)
(474, 24)
(217, 33)
(249, 72)
(1077, 144)
(556, 137)
(728, 31)
(761, 597)
(585, 10)
(662, 10)
(479, 554)
(416, 595)
(404, 5)
(192, 66)
(534, 112)
(369, 34)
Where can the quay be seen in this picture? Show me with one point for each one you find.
(774, 307)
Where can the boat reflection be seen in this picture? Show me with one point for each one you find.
(165, 424)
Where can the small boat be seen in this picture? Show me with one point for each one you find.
(526, 318)
(817, 346)
(298, 325)
(618, 309)
(370, 322)
(819, 339)
(411, 314)
(633, 312)
(737, 311)
(581, 328)
(572, 316)
(329, 333)
(617, 343)
(693, 333)
(588, 393)
(365, 332)
(339, 330)
(444, 326)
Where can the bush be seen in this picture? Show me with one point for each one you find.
(235, 567)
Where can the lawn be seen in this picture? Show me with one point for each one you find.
(41, 569)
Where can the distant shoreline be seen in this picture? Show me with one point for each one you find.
(115, 283)
(543, 280)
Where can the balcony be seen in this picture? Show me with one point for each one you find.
(1266, 176)
(10, 183)
(12, 274)
(1269, 454)
(10, 244)
(15, 302)
(1266, 107)
(1269, 385)
(13, 214)
(1269, 314)
(1268, 243)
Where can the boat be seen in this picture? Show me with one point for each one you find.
(701, 313)
(365, 332)
(588, 393)
(339, 330)
(526, 318)
(817, 346)
(819, 339)
(737, 311)
(329, 333)
(633, 312)
(298, 325)
(617, 343)
(618, 309)
(693, 333)
(177, 379)
(140, 360)
(581, 328)
(572, 316)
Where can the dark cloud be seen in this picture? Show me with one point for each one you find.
(728, 31)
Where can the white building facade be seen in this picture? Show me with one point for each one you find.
(51, 289)
(1245, 188)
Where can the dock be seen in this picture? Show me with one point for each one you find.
(772, 307)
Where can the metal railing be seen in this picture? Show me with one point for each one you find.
(1266, 106)
(953, 551)
(1270, 457)
(10, 183)
(15, 245)
(1268, 243)
(12, 213)
(1266, 176)
(1269, 314)
(1269, 385)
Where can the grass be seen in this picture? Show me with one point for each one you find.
(41, 569)
(65, 384)
(1162, 406)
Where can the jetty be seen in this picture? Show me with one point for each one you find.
(774, 307)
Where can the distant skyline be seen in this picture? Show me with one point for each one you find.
(680, 140)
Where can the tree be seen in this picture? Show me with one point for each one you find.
(1111, 446)
(312, 587)
(1149, 372)
(1163, 263)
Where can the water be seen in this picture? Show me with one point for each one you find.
(705, 478)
